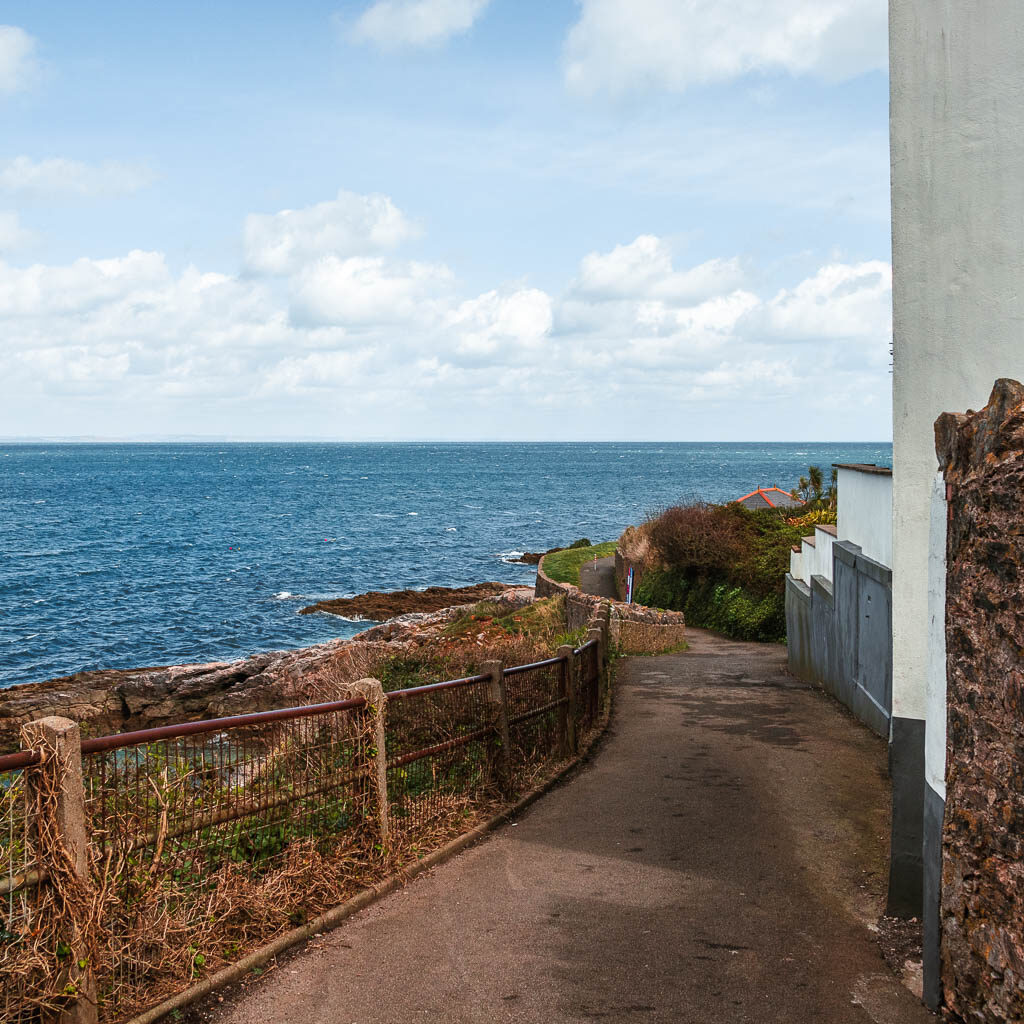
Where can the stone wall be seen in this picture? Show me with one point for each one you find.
(982, 902)
(634, 628)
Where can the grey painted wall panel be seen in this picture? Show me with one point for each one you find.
(840, 634)
(798, 628)
(934, 812)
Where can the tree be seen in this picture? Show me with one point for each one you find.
(832, 494)
(816, 482)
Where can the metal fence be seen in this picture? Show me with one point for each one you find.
(131, 865)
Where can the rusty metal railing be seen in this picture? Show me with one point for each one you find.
(205, 838)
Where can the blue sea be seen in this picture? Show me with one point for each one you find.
(123, 555)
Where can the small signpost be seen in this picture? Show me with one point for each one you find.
(629, 586)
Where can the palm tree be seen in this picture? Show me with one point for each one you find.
(833, 489)
(816, 482)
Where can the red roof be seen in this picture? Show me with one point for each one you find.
(766, 492)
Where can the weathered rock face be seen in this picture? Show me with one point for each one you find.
(982, 455)
(122, 700)
(408, 627)
(379, 606)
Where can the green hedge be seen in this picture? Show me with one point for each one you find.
(714, 604)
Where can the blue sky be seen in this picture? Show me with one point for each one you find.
(653, 219)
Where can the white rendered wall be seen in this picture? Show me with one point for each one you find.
(823, 541)
(865, 513)
(796, 565)
(935, 727)
(957, 149)
(814, 559)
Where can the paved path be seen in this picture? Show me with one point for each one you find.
(598, 577)
(722, 859)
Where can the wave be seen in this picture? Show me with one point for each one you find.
(509, 557)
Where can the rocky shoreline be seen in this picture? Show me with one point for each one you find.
(379, 606)
(119, 700)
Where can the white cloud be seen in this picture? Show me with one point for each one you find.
(335, 370)
(635, 292)
(643, 269)
(78, 287)
(757, 376)
(619, 46)
(517, 323)
(351, 225)
(59, 176)
(18, 66)
(394, 24)
(12, 234)
(840, 301)
(367, 291)
(370, 338)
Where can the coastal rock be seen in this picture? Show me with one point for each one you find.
(380, 606)
(408, 626)
(121, 700)
(112, 701)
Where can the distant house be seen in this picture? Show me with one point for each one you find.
(769, 497)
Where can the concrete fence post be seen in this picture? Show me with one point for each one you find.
(497, 697)
(567, 712)
(57, 797)
(377, 755)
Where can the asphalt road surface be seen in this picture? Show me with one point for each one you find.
(721, 859)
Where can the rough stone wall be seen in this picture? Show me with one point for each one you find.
(622, 566)
(635, 628)
(982, 905)
(646, 637)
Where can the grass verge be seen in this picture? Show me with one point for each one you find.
(564, 566)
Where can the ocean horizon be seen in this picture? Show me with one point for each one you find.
(123, 554)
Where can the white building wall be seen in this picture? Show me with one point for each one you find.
(823, 541)
(865, 512)
(796, 565)
(957, 149)
(935, 727)
(814, 559)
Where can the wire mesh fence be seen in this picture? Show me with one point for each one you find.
(207, 839)
(537, 699)
(24, 959)
(441, 754)
(195, 837)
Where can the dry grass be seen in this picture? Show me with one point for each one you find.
(169, 903)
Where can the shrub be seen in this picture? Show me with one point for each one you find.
(699, 538)
(710, 604)
(723, 566)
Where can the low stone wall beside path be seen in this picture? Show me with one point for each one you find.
(634, 628)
